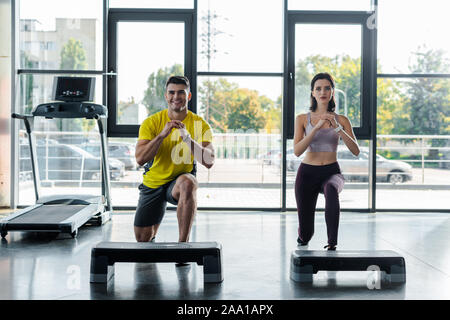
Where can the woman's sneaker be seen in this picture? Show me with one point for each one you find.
(301, 243)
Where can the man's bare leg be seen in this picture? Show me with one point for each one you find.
(185, 192)
(145, 234)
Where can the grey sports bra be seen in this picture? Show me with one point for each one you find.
(325, 140)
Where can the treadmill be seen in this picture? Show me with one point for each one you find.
(64, 213)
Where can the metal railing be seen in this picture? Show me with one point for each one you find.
(419, 143)
(413, 149)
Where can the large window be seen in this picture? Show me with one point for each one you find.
(420, 27)
(413, 143)
(54, 41)
(53, 37)
(244, 40)
(240, 95)
(413, 106)
(245, 114)
(250, 64)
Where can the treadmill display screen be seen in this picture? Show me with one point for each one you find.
(73, 89)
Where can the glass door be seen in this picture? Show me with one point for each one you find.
(145, 48)
(335, 44)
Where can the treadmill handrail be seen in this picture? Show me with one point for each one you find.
(21, 116)
(28, 120)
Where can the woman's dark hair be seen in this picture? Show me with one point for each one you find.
(332, 102)
(178, 80)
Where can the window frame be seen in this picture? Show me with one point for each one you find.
(368, 62)
(116, 15)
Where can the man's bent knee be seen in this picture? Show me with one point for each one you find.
(144, 234)
(187, 183)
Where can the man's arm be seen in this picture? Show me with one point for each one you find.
(202, 153)
(147, 149)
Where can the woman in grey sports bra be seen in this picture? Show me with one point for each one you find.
(317, 133)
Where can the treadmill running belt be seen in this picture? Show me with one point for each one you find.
(48, 214)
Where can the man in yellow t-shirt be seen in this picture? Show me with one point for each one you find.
(169, 142)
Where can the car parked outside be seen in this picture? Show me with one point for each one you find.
(116, 150)
(357, 167)
(267, 157)
(67, 162)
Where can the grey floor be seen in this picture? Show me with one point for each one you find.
(256, 253)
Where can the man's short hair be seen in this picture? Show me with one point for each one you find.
(178, 80)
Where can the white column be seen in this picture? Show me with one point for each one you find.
(5, 102)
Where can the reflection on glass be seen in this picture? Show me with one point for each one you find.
(320, 48)
(52, 37)
(144, 66)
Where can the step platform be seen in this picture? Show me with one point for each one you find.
(305, 263)
(105, 254)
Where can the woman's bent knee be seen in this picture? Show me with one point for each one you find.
(330, 189)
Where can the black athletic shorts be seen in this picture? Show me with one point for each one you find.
(152, 204)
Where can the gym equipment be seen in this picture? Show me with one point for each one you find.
(64, 213)
(304, 263)
(105, 254)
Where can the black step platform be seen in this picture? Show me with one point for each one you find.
(105, 254)
(305, 263)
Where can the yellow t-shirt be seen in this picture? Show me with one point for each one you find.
(174, 156)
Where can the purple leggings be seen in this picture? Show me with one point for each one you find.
(312, 180)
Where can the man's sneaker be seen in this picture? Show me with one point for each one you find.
(181, 264)
(300, 242)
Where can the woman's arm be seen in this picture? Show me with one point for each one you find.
(301, 142)
(347, 135)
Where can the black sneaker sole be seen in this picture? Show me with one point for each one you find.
(181, 264)
(300, 242)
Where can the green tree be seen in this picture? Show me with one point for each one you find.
(154, 99)
(429, 99)
(272, 113)
(244, 110)
(391, 101)
(27, 83)
(346, 72)
(213, 97)
(73, 56)
(234, 108)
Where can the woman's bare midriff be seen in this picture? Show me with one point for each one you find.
(320, 158)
